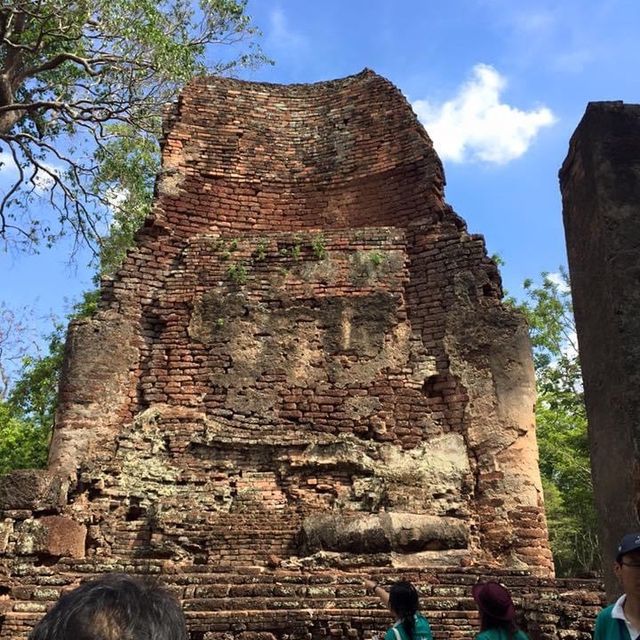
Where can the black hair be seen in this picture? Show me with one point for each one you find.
(114, 607)
(404, 602)
(487, 621)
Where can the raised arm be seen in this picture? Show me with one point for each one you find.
(377, 590)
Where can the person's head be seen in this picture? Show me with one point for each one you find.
(403, 599)
(114, 607)
(404, 603)
(627, 564)
(495, 605)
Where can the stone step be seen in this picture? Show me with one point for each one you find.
(314, 602)
(264, 583)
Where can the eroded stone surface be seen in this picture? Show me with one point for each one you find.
(383, 532)
(55, 536)
(31, 489)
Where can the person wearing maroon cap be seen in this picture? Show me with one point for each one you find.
(497, 613)
(621, 620)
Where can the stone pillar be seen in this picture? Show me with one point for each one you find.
(600, 183)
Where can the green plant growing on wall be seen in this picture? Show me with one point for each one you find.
(228, 249)
(319, 247)
(261, 250)
(365, 265)
(376, 258)
(295, 251)
(216, 245)
(237, 273)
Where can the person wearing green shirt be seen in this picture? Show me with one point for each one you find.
(404, 603)
(621, 620)
(497, 613)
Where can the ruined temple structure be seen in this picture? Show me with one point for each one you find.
(302, 375)
(600, 182)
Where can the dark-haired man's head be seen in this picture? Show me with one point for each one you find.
(114, 607)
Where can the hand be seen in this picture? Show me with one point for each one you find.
(369, 584)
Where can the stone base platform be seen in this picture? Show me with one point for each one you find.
(254, 603)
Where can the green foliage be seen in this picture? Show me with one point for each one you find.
(226, 248)
(261, 250)
(376, 258)
(237, 273)
(319, 247)
(34, 396)
(127, 166)
(497, 259)
(23, 444)
(562, 426)
(27, 414)
(295, 251)
(84, 87)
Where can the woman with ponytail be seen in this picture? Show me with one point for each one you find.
(404, 603)
(497, 613)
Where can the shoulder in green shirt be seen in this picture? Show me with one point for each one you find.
(608, 628)
(501, 634)
(422, 630)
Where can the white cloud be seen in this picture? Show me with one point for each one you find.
(281, 35)
(476, 126)
(574, 61)
(560, 281)
(43, 181)
(116, 196)
(532, 22)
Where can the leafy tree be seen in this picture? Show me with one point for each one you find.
(34, 397)
(23, 444)
(127, 165)
(27, 414)
(562, 425)
(16, 340)
(82, 88)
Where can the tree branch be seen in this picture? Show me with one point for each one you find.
(61, 58)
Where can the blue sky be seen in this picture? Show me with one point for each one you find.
(499, 84)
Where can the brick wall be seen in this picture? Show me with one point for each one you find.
(302, 372)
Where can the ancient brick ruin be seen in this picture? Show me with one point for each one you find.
(302, 375)
(600, 182)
